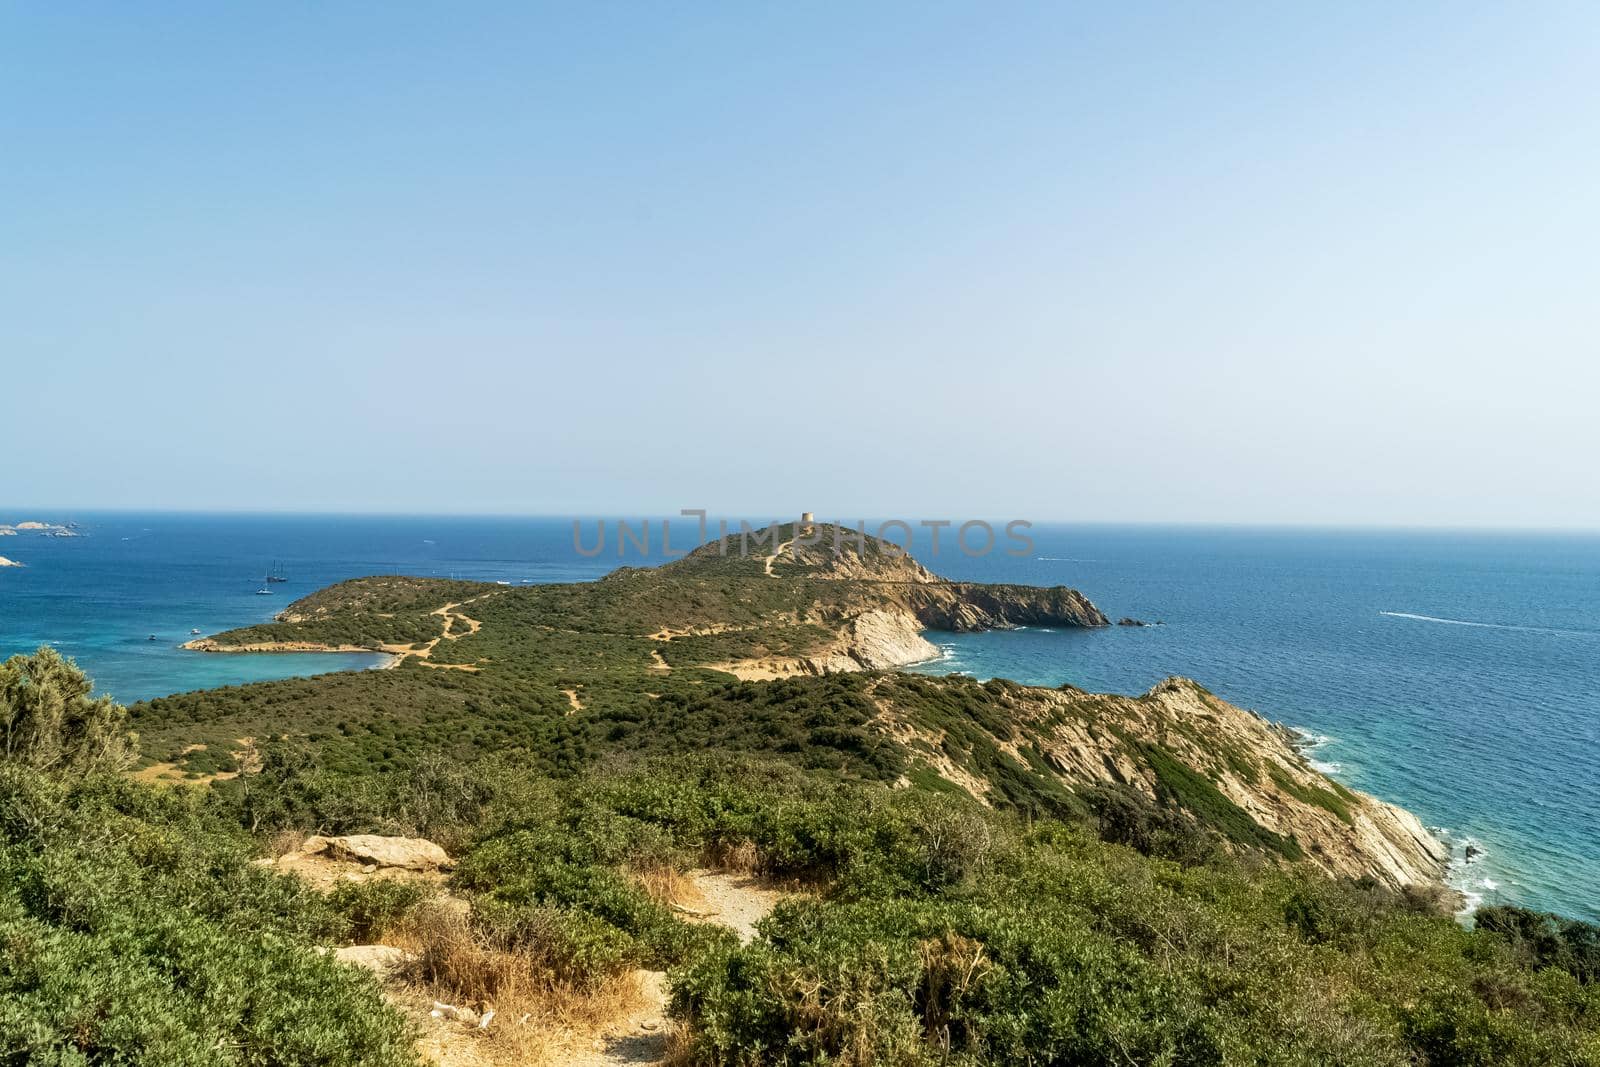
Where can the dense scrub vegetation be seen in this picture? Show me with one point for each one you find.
(135, 929)
(363, 613)
(933, 930)
(1103, 928)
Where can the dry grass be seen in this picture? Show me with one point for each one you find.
(668, 886)
(740, 858)
(284, 842)
(536, 1016)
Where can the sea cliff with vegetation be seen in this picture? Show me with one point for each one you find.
(602, 786)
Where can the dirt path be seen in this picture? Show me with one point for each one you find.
(642, 1037)
(774, 557)
(736, 901)
(450, 616)
(637, 1028)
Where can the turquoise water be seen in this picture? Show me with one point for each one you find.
(100, 597)
(1453, 674)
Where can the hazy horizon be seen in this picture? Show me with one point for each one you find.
(60, 514)
(1246, 266)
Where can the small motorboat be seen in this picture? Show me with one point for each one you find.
(195, 631)
(152, 637)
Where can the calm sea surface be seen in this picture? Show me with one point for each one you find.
(1455, 674)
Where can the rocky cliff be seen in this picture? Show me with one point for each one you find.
(1178, 745)
(965, 606)
(874, 596)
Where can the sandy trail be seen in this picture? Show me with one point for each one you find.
(450, 615)
(774, 557)
(737, 901)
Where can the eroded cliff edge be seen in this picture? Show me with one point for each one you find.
(1177, 744)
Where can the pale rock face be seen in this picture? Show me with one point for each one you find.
(405, 853)
(1381, 840)
(1346, 833)
(876, 640)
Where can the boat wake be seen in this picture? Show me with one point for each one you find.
(1489, 625)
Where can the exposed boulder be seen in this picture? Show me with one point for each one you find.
(404, 853)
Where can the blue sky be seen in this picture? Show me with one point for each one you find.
(1254, 263)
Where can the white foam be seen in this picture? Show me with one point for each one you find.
(1470, 877)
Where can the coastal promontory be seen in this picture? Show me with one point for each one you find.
(808, 609)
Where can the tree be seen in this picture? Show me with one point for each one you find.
(51, 722)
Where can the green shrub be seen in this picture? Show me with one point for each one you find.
(51, 722)
(136, 931)
(373, 908)
(1545, 940)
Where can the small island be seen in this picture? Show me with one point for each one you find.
(48, 529)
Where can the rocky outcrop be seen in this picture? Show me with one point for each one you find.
(403, 853)
(877, 640)
(874, 597)
(49, 529)
(1088, 739)
(962, 607)
(1343, 831)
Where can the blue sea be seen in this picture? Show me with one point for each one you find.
(1456, 674)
